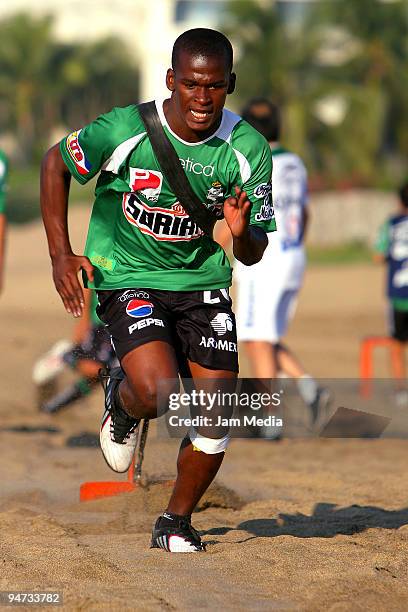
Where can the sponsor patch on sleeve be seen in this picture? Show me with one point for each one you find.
(76, 153)
(264, 192)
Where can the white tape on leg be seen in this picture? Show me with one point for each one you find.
(210, 446)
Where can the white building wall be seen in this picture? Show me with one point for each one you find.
(147, 27)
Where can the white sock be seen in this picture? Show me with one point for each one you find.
(307, 388)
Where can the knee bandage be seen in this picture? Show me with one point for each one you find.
(209, 446)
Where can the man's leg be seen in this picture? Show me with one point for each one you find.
(145, 366)
(262, 358)
(130, 395)
(288, 362)
(399, 332)
(84, 359)
(195, 469)
(398, 364)
(317, 398)
(200, 457)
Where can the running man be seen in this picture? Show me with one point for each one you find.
(392, 248)
(162, 284)
(3, 219)
(267, 292)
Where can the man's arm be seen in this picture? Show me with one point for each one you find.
(3, 231)
(378, 258)
(305, 220)
(84, 324)
(248, 241)
(55, 183)
(381, 246)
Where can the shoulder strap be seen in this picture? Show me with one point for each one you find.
(173, 170)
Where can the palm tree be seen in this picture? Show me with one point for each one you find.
(24, 57)
(44, 83)
(347, 55)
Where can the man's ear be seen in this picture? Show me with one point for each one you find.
(231, 84)
(170, 79)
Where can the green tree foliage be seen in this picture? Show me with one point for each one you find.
(44, 83)
(349, 55)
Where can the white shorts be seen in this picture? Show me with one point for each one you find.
(267, 297)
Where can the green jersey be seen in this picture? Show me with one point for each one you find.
(139, 234)
(3, 181)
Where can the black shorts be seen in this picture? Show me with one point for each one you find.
(399, 324)
(200, 325)
(96, 347)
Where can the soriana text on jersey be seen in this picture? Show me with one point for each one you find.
(161, 223)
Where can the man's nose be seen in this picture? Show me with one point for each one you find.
(202, 95)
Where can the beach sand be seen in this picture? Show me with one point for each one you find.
(300, 524)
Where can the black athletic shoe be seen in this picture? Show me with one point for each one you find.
(118, 435)
(319, 407)
(180, 537)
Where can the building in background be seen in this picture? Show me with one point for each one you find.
(147, 28)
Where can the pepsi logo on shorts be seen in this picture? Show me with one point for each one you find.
(139, 308)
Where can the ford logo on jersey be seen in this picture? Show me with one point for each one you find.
(139, 308)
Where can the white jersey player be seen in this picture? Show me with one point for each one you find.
(267, 291)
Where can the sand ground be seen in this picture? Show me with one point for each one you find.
(315, 524)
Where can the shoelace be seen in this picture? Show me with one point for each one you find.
(122, 425)
(186, 526)
(105, 375)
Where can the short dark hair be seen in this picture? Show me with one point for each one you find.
(264, 116)
(403, 194)
(205, 42)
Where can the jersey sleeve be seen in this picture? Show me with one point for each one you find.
(255, 161)
(3, 182)
(382, 242)
(86, 150)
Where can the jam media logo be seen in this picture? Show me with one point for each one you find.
(222, 323)
(171, 224)
(147, 182)
(76, 153)
(139, 308)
